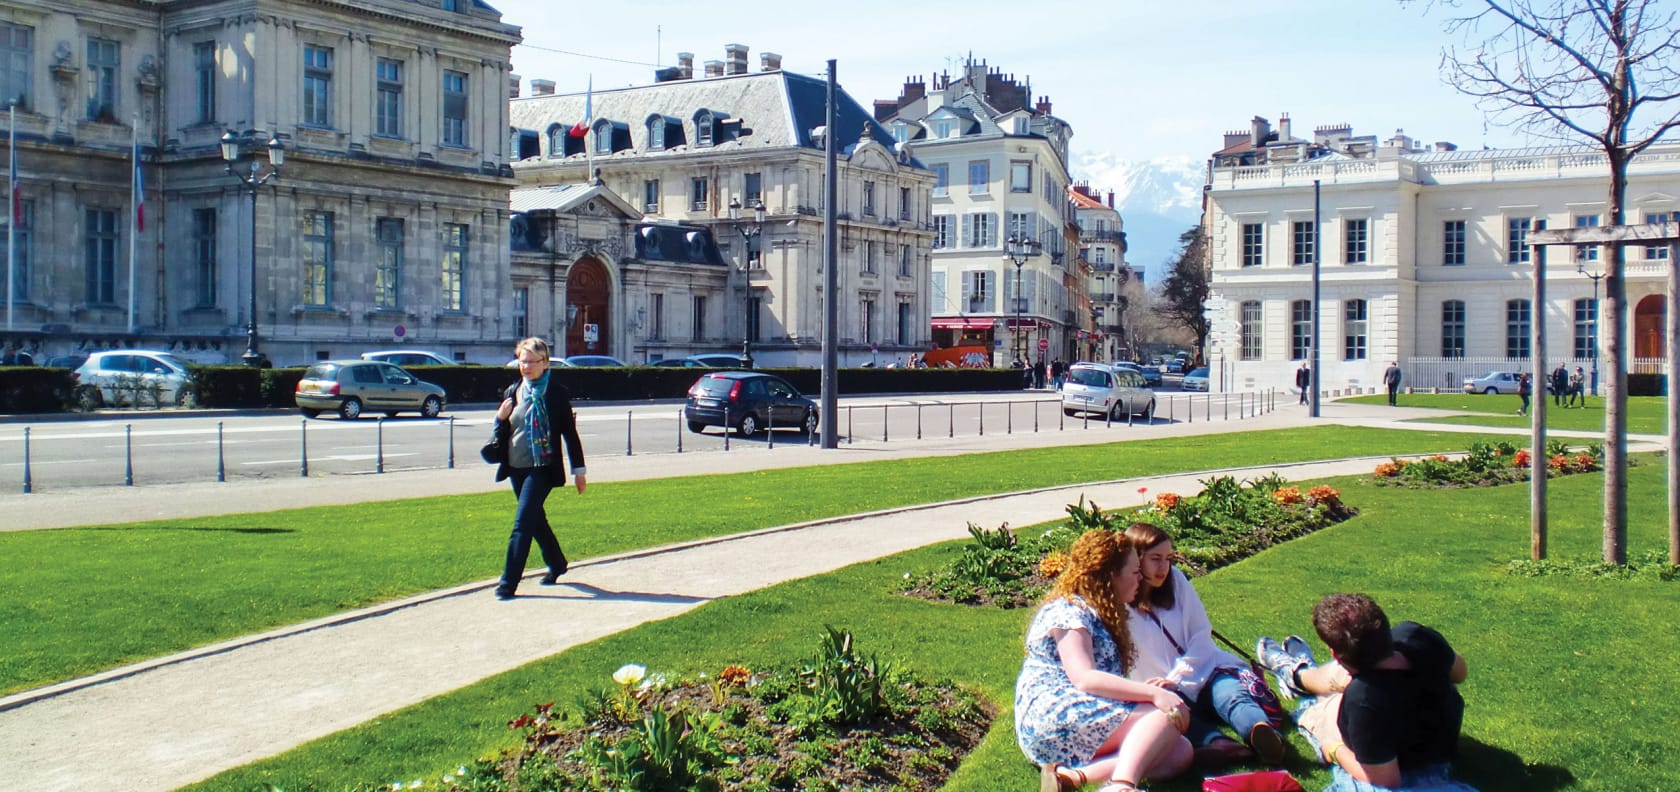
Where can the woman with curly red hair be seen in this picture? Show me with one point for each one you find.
(1076, 714)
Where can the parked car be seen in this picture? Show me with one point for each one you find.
(1151, 374)
(409, 357)
(1196, 380)
(705, 361)
(71, 362)
(1114, 391)
(350, 387)
(588, 361)
(1492, 382)
(131, 376)
(1175, 366)
(748, 401)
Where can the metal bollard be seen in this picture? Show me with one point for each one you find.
(1225, 398)
(1170, 400)
(379, 445)
(128, 455)
(982, 419)
(726, 428)
(451, 442)
(629, 432)
(1190, 408)
(28, 484)
(221, 460)
(884, 422)
(1085, 419)
(1108, 418)
(682, 415)
(851, 437)
(1035, 417)
(1061, 420)
(951, 409)
(1129, 414)
(1207, 408)
(918, 421)
(770, 427)
(303, 465)
(1009, 417)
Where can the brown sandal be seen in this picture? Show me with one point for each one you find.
(1050, 778)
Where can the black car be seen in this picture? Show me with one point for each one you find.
(749, 401)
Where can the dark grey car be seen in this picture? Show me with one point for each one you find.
(748, 401)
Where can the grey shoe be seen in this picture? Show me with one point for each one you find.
(1296, 646)
(1281, 663)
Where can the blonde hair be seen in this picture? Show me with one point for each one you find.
(1094, 559)
(532, 344)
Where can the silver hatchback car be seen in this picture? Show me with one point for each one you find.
(1107, 390)
(349, 387)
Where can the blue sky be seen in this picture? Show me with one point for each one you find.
(1136, 80)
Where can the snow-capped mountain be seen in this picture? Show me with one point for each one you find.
(1158, 199)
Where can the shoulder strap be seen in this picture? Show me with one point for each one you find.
(1150, 612)
(1235, 648)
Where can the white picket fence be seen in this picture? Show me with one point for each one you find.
(1423, 373)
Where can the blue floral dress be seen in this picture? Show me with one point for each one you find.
(1054, 721)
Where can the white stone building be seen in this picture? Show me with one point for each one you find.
(999, 161)
(666, 271)
(390, 212)
(1116, 289)
(1423, 258)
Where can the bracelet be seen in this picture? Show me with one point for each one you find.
(1330, 753)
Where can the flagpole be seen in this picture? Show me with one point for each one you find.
(133, 223)
(11, 222)
(589, 150)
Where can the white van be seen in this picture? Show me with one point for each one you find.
(1107, 390)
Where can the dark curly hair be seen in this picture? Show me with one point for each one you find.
(1355, 628)
(1095, 558)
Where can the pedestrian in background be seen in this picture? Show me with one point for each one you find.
(1577, 389)
(1560, 386)
(1525, 388)
(535, 416)
(1391, 378)
(1303, 380)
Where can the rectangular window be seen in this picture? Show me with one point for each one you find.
(752, 188)
(103, 65)
(904, 203)
(455, 242)
(755, 313)
(1020, 177)
(1022, 225)
(1303, 239)
(1452, 243)
(940, 301)
(317, 86)
(980, 230)
(941, 178)
(905, 314)
(1516, 329)
(1659, 252)
(656, 307)
(944, 128)
(941, 231)
(25, 242)
(387, 276)
(522, 312)
(1586, 329)
(1356, 237)
(698, 195)
(387, 103)
(978, 291)
(1300, 329)
(17, 59)
(650, 196)
(1452, 329)
(454, 108)
(1586, 252)
(869, 264)
(204, 80)
(869, 198)
(1251, 330)
(1353, 330)
(698, 319)
(100, 256)
(979, 177)
(204, 257)
(906, 260)
(317, 258)
(1253, 244)
(866, 320)
(1516, 239)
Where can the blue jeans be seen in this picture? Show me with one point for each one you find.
(1223, 700)
(1431, 778)
(530, 523)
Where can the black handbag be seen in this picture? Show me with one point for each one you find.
(494, 452)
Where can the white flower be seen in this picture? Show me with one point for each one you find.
(630, 674)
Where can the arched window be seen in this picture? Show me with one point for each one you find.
(656, 132)
(556, 135)
(603, 137)
(703, 123)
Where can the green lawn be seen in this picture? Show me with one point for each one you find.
(97, 597)
(1646, 414)
(1570, 685)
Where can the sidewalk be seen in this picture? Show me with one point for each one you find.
(169, 721)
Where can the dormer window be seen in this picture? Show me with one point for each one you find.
(704, 122)
(603, 137)
(556, 135)
(664, 133)
(944, 128)
(656, 134)
(1023, 125)
(900, 131)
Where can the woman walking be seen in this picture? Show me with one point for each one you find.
(535, 413)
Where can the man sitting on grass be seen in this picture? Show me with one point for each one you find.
(1395, 722)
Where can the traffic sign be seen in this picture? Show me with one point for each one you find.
(1043, 344)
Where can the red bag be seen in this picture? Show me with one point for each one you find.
(1261, 781)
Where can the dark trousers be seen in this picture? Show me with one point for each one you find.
(530, 522)
(1304, 394)
(1392, 390)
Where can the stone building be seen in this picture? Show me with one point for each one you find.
(386, 223)
(1424, 258)
(685, 216)
(1116, 289)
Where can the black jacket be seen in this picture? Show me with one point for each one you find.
(562, 426)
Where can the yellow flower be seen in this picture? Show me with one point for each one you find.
(1287, 495)
(1052, 565)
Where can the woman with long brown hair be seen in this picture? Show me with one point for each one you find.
(1076, 714)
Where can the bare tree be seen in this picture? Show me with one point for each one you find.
(1185, 289)
(1606, 72)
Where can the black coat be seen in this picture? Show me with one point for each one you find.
(562, 426)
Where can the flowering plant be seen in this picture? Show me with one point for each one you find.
(1052, 565)
(734, 675)
(1287, 495)
(1324, 493)
(1522, 458)
(1586, 462)
(1440, 457)
(1559, 463)
(1167, 500)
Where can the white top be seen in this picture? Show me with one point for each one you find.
(1187, 621)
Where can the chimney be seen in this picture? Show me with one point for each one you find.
(913, 89)
(714, 68)
(769, 61)
(735, 56)
(885, 109)
(1442, 145)
(685, 63)
(1283, 127)
(1043, 106)
(1261, 130)
(542, 87)
(1111, 199)
(513, 86)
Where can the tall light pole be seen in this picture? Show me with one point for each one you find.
(750, 236)
(1592, 353)
(1018, 250)
(256, 178)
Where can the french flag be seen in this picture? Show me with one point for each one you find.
(581, 128)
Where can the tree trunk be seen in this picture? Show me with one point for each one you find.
(1673, 328)
(1615, 397)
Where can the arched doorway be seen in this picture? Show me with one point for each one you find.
(588, 288)
(1649, 319)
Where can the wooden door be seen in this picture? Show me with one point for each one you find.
(588, 289)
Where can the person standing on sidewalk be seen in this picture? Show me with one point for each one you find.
(1391, 378)
(1303, 380)
(536, 413)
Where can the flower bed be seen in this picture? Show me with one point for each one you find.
(1486, 465)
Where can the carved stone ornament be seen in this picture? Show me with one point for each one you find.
(151, 76)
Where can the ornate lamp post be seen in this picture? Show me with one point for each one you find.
(1018, 250)
(256, 178)
(1593, 352)
(750, 236)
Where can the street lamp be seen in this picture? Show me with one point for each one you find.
(749, 235)
(1018, 250)
(1592, 353)
(256, 178)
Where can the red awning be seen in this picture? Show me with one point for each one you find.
(961, 323)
